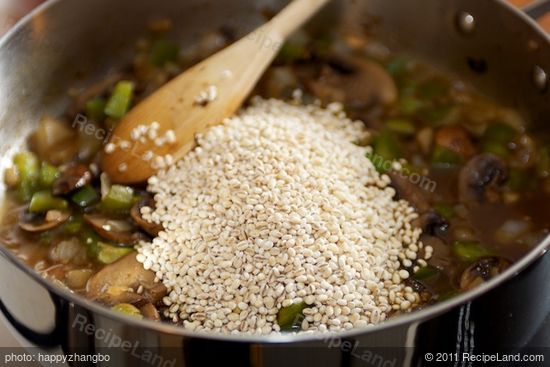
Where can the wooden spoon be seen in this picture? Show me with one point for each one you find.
(198, 98)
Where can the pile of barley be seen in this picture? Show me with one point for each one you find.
(278, 206)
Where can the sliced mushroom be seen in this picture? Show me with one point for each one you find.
(455, 139)
(481, 178)
(117, 230)
(77, 279)
(72, 178)
(118, 282)
(150, 312)
(355, 82)
(481, 271)
(35, 223)
(406, 190)
(431, 223)
(152, 228)
(417, 286)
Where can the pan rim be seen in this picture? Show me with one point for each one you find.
(176, 330)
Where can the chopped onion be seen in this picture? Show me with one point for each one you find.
(511, 230)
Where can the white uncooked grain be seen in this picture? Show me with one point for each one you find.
(277, 206)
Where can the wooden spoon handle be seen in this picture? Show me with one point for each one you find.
(174, 106)
(294, 16)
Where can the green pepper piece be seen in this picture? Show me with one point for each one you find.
(433, 89)
(469, 251)
(28, 166)
(128, 310)
(48, 174)
(74, 225)
(120, 100)
(43, 201)
(436, 115)
(448, 295)
(426, 272)
(410, 105)
(500, 132)
(95, 109)
(445, 158)
(91, 239)
(162, 52)
(290, 317)
(385, 150)
(85, 197)
(497, 137)
(291, 52)
(496, 148)
(119, 199)
(25, 190)
(400, 126)
(108, 254)
(447, 211)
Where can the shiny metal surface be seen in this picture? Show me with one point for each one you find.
(42, 57)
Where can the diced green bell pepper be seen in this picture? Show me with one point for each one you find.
(120, 100)
(500, 132)
(85, 197)
(448, 295)
(48, 174)
(496, 148)
(443, 157)
(128, 310)
(410, 105)
(119, 199)
(385, 150)
(497, 137)
(74, 225)
(108, 254)
(28, 166)
(400, 126)
(42, 201)
(95, 109)
(91, 239)
(290, 317)
(426, 272)
(163, 51)
(447, 211)
(291, 52)
(433, 89)
(436, 115)
(470, 251)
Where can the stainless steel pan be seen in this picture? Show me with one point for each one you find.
(491, 44)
